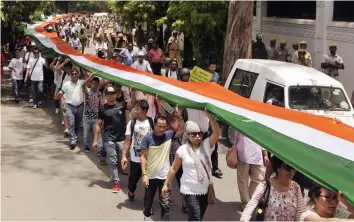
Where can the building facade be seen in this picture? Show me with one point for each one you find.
(318, 33)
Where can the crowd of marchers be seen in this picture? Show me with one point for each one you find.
(149, 139)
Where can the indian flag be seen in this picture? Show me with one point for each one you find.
(316, 146)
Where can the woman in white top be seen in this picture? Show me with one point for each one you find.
(323, 206)
(195, 158)
(285, 202)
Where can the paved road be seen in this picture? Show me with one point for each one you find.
(43, 180)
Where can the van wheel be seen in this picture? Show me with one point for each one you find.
(231, 138)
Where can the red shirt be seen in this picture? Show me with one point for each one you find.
(3, 60)
(156, 55)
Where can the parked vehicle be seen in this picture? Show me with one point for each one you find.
(305, 89)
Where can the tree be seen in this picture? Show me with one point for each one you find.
(238, 41)
(132, 12)
(15, 12)
(204, 24)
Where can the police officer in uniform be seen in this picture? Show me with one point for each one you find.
(272, 50)
(332, 62)
(259, 50)
(295, 57)
(282, 52)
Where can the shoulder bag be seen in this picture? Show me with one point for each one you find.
(231, 155)
(258, 213)
(33, 68)
(57, 94)
(211, 191)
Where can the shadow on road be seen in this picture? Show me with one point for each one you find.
(45, 136)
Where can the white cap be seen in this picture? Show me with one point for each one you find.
(141, 53)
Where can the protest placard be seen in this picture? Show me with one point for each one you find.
(200, 75)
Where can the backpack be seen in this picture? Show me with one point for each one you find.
(132, 124)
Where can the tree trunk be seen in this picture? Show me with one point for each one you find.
(238, 41)
(187, 52)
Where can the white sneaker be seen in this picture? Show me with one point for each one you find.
(56, 111)
(66, 131)
(31, 101)
(62, 122)
(147, 219)
(35, 107)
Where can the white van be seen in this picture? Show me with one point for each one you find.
(304, 89)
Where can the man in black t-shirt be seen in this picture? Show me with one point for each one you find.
(112, 116)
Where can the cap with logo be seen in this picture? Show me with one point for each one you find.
(110, 90)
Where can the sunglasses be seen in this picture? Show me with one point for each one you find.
(194, 134)
(173, 64)
(287, 168)
(330, 198)
(74, 73)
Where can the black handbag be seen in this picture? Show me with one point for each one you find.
(258, 213)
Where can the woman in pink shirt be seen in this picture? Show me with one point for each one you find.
(156, 58)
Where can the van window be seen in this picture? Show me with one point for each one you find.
(317, 98)
(242, 82)
(274, 95)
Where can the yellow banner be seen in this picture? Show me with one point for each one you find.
(200, 75)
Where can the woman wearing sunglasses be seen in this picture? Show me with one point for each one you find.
(323, 205)
(285, 202)
(195, 158)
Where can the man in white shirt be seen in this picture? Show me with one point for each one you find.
(142, 64)
(172, 72)
(16, 66)
(73, 105)
(35, 73)
(250, 166)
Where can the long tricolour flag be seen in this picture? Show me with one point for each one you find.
(317, 146)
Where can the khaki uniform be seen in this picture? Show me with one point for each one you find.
(272, 53)
(308, 59)
(174, 50)
(329, 59)
(282, 55)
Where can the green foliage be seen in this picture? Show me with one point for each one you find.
(205, 24)
(88, 6)
(132, 12)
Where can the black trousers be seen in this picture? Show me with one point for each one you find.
(214, 155)
(197, 205)
(165, 201)
(156, 68)
(134, 176)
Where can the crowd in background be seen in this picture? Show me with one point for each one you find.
(157, 140)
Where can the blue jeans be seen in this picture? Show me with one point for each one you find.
(74, 114)
(89, 129)
(37, 91)
(16, 87)
(114, 150)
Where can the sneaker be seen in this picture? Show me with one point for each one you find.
(62, 122)
(116, 187)
(57, 112)
(35, 107)
(87, 149)
(66, 132)
(72, 146)
(217, 173)
(40, 104)
(30, 101)
(131, 196)
(147, 218)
